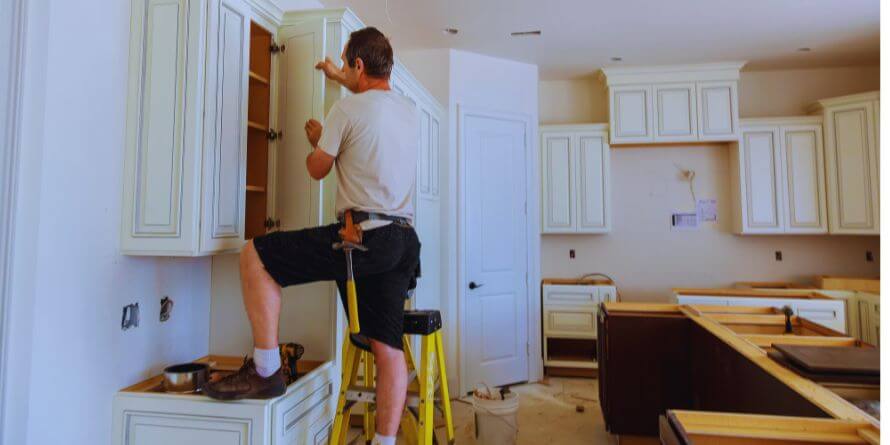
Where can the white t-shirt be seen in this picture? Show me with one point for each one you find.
(374, 136)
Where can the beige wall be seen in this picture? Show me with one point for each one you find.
(642, 254)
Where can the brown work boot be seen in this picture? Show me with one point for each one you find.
(246, 384)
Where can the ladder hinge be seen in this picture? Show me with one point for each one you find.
(275, 49)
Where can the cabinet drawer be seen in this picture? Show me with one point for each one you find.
(571, 294)
(575, 321)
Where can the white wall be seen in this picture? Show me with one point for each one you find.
(641, 253)
(68, 353)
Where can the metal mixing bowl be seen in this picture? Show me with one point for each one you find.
(186, 377)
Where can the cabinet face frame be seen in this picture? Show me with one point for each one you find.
(639, 110)
(707, 112)
(868, 173)
(814, 172)
(662, 110)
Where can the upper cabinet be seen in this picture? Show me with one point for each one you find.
(682, 103)
(778, 181)
(852, 162)
(575, 179)
(219, 93)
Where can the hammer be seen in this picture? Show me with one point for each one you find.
(351, 239)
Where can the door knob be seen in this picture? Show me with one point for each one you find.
(473, 285)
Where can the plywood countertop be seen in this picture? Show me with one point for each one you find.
(755, 293)
(578, 281)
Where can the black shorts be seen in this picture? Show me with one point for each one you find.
(383, 275)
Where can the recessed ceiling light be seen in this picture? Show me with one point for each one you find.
(536, 32)
(617, 59)
(450, 31)
(804, 49)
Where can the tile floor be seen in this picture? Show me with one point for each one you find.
(547, 415)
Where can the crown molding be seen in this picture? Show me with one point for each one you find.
(671, 73)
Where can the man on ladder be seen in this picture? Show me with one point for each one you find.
(372, 139)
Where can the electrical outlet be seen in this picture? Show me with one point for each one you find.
(869, 256)
(130, 316)
(778, 255)
(572, 253)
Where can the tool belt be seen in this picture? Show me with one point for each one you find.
(358, 216)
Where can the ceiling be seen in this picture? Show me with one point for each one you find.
(580, 36)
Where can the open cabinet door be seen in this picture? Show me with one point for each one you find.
(308, 311)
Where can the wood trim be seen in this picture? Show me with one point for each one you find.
(818, 395)
(872, 285)
(753, 293)
(768, 427)
(767, 341)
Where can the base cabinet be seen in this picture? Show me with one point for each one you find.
(570, 324)
(303, 415)
(828, 312)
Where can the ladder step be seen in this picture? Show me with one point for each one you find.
(366, 394)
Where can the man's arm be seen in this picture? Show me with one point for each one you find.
(319, 162)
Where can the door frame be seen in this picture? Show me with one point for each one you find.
(9, 156)
(533, 298)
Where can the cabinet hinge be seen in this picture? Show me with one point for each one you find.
(273, 135)
(275, 49)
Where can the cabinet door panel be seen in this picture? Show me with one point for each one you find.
(301, 87)
(225, 138)
(424, 176)
(804, 179)
(852, 184)
(170, 429)
(434, 156)
(163, 115)
(675, 112)
(592, 164)
(759, 159)
(718, 110)
(558, 183)
(578, 322)
(570, 294)
(631, 114)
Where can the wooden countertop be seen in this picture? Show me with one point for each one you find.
(577, 281)
(754, 293)
(752, 348)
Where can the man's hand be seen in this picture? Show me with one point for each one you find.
(313, 132)
(331, 70)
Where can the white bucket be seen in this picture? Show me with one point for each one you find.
(496, 422)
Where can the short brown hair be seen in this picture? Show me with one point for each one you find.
(373, 48)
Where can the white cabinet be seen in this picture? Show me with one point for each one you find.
(851, 163)
(678, 103)
(575, 179)
(777, 176)
(570, 312)
(143, 414)
(675, 112)
(718, 117)
(826, 311)
(631, 107)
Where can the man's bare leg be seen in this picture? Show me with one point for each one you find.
(262, 298)
(392, 387)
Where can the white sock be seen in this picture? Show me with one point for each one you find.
(383, 440)
(267, 361)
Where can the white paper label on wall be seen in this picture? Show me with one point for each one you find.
(707, 209)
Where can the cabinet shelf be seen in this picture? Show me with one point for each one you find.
(254, 77)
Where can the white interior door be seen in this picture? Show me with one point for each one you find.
(494, 335)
